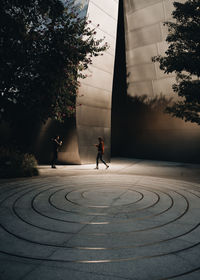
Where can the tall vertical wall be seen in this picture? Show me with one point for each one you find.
(93, 116)
(153, 134)
(42, 143)
(145, 37)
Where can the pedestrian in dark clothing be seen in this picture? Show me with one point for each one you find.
(100, 152)
(56, 144)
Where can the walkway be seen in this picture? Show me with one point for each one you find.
(137, 220)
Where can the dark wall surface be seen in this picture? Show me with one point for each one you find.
(140, 128)
(144, 131)
(68, 152)
(153, 134)
(119, 92)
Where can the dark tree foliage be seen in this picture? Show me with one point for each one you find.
(183, 58)
(44, 47)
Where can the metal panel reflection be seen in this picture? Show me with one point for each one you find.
(93, 117)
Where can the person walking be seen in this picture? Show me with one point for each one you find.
(100, 152)
(56, 144)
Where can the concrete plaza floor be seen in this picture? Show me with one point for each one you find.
(137, 220)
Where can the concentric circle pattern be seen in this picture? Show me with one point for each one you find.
(140, 222)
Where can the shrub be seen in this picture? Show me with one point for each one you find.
(16, 164)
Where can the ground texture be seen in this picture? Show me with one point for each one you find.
(137, 220)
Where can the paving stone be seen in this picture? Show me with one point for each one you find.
(137, 220)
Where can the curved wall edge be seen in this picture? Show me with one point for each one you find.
(93, 116)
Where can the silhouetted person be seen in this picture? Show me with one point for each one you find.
(56, 144)
(100, 148)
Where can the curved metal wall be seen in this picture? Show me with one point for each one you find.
(145, 37)
(93, 117)
(154, 134)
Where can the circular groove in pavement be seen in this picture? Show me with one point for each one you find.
(103, 206)
(95, 234)
(68, 221)
(47, 216)
(86, 213)
(129, 212)
(178, 196)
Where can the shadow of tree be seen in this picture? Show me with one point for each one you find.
(132, 116)
(147, 103)
(142, 128)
